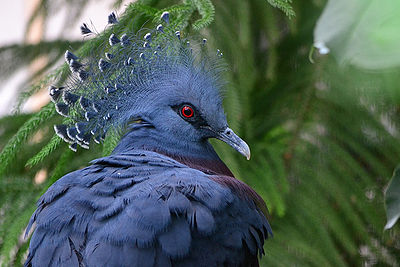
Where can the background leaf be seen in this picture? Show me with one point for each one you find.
(392, 200)
(363, 33)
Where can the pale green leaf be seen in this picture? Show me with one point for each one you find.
(363, 33)
(392, 200)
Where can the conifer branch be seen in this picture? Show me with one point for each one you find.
(50, 147)
(10, 151)
(60, 168)
(284, 5)
(207, 11)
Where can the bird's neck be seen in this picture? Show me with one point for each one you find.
(199, 155)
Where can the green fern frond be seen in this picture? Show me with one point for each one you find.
(206, 10)
(10, 151)
(110, 142)
(35, 87)
(284, 5)
(47, 150)
(60, 169)
(174, 10)
(146, 10)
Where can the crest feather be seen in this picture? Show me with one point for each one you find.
(104, 93)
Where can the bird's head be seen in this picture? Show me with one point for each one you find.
(158, 79)
(187, 107)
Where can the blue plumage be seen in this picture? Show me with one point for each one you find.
(144, 203)
(136, 70)
(164, 197)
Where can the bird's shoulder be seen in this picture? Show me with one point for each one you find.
(143, 203)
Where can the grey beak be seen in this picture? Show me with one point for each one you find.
(229, 137)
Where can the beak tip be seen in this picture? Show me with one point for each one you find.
(247, 153)
(229, 137)
(245, 150)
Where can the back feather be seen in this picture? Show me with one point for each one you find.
(144, 209)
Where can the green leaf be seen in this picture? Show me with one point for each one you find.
(360, 32)
(392, 199)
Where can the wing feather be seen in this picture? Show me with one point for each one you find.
(144, 209)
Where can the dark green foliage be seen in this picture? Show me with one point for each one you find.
(324, 139)
(206, 10)
(284, 5)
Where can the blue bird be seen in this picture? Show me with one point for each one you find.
(163, 197)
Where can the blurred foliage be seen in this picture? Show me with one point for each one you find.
(361, 33)
(324, 137)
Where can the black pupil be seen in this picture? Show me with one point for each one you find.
(187, 111)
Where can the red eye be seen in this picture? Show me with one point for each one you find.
(187, 112)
